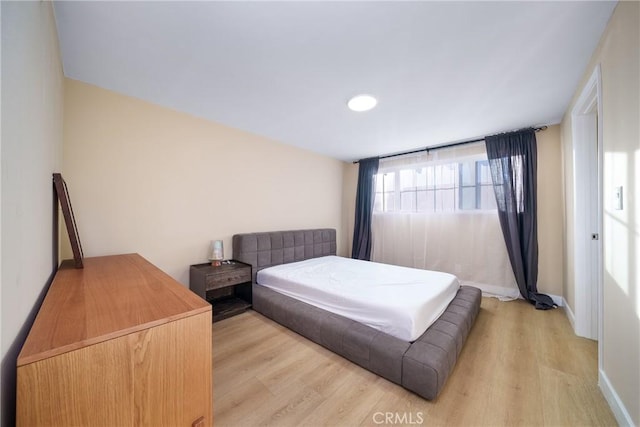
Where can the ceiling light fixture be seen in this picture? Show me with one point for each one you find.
(362, 103)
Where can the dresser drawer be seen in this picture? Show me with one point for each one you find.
(228, 278)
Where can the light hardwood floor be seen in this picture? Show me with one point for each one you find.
(519, 366)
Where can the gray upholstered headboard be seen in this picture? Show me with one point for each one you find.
(263, 250)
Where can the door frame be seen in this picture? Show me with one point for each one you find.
(587, 131)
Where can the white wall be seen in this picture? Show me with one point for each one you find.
(31, 150)
(619, 57)
(147, 179)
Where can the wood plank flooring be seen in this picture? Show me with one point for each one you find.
(519, 366)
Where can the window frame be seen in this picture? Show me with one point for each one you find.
(432, 190)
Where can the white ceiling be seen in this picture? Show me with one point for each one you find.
(442, 71)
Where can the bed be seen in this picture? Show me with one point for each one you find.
(421, 365)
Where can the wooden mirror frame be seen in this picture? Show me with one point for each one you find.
(62, 193)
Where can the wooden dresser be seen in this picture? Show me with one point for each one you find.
(117, 343)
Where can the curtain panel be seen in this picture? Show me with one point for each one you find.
(513, 162)
(362, 240)
(458, 240)
(467, 244)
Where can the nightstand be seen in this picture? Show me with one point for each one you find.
(226, 286)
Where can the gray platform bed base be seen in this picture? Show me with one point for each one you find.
(422, 366)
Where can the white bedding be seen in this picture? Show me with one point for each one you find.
(400, 301)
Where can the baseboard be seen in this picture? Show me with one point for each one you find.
(557, 300)
(500, 292)
(617, 407)
(570, 316)
(507, 294)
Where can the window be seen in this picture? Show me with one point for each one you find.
(436, 187)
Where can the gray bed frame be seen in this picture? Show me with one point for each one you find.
(422, 366)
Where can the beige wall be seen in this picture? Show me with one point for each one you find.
(147, 179)
(619, 57)
(350, 187)
(550, 222)
(31, 150)
(550, 226)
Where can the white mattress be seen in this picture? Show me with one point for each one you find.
(400, 301)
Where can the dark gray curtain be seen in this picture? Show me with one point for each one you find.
(365, 196)
(513, 162)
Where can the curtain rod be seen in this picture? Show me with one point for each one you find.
(437, 147)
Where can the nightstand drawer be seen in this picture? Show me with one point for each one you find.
(228, 278)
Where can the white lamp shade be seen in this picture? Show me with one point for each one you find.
(217, 250)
